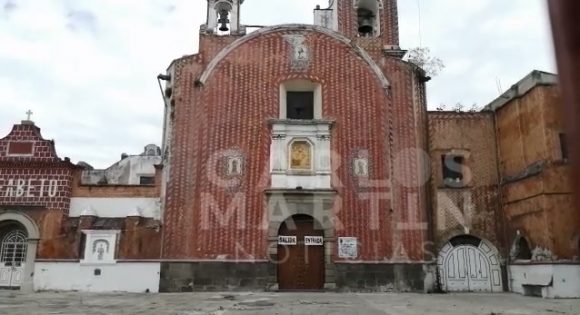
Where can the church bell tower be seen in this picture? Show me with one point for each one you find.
(369, 20)
(223, 17)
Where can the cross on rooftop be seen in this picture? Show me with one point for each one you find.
(28, 114)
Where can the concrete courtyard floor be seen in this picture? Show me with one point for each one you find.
(15, 303)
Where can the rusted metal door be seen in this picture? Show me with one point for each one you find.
(300, 255)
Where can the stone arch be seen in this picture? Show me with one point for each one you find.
(452, 234)
(469, 263)
(27, 223)
(33, 234)
(295, 27)
(521, 249)
(319, 222)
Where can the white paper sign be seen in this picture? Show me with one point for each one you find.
(286, 240)
(313, 240)
(347, 247)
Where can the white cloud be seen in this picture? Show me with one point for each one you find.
(88, 68)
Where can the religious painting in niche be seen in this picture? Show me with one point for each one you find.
(234, 165)
(301, 155)
(361, 167)
(300, 55)
(100, 248)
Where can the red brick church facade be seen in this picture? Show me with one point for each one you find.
(225, 102)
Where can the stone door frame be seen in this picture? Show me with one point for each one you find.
(33, 237)
(283, 205)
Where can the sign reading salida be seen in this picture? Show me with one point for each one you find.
(287, 240)
(29, 188)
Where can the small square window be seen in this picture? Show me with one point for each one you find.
(452, 166)
(147, 180)
(300, 105)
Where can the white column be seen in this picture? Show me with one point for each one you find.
(235, 17)
(277, 153)
(323, 153)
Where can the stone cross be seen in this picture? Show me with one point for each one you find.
(29, 113)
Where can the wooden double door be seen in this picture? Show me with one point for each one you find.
(300, 265)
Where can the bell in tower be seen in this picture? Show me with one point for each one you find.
(366, 22)
(224, 17)
(223, 10)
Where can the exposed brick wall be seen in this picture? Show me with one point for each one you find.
(41, 179)
(536, 194)
(115, 191)
(231, 111)
(41, 185)
(43, 150)
(528, 130)
(407, 136)
(471, 135)
(46, 185)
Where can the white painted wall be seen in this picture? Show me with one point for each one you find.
(116, 207)
(127, 171)
(558, 280)
(120, 277)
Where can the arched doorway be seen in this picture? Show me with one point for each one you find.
(13, 227)
(469, 264)
(13, 253)
(300, 254)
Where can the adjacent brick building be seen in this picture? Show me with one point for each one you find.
(60, 229)
(508, 186)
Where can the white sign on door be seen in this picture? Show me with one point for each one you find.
(347, 247)
(313, 240)
(286, 240)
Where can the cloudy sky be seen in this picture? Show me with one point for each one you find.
(87, 68)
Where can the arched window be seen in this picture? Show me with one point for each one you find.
(300, 155)
(13, 249)
(523, 249)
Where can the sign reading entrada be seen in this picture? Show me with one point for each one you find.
(29, 188)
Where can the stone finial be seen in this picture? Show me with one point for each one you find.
(135, 213)
(89, 212)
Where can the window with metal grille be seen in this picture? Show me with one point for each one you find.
(13, 250)
(300, 105)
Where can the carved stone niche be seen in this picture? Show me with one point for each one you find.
(300, 154)
(100, 246)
